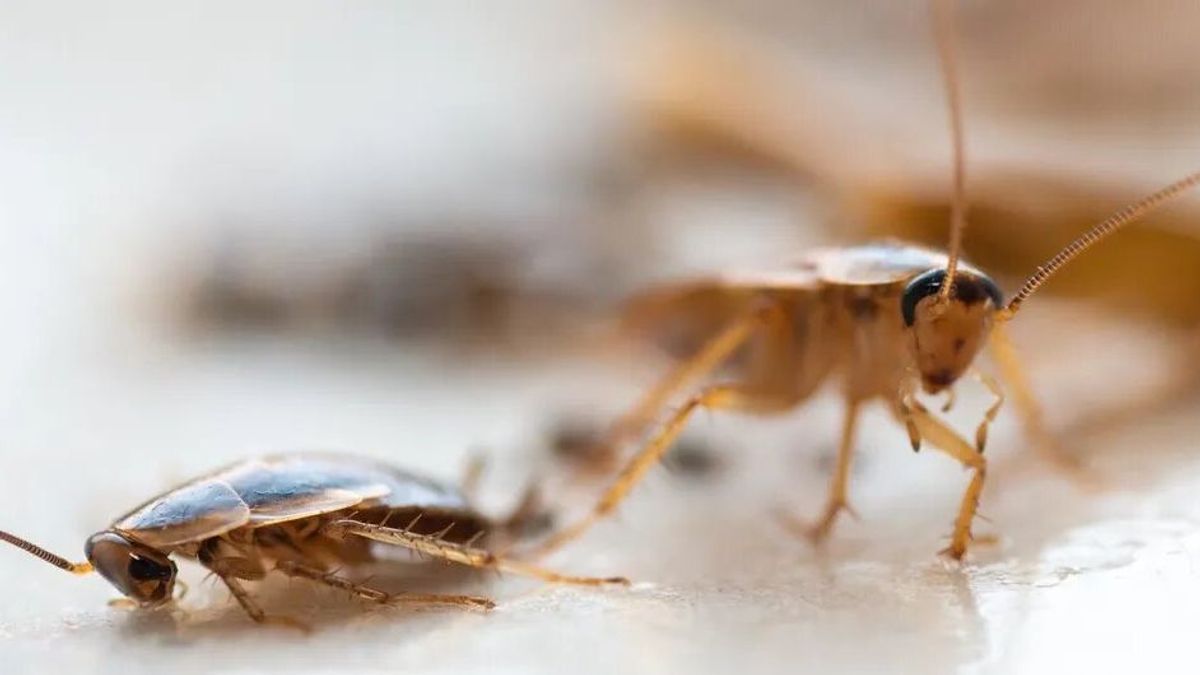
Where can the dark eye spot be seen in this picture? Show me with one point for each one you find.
(974, 289)
(141, 569)
(969, 289)
(918, 289)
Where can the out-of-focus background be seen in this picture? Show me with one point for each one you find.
(404, 230)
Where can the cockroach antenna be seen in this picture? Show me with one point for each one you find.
(943, 27)
(1093, 236)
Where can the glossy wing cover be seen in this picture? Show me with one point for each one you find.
(278, 489)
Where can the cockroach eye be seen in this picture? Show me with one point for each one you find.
(141, 569)
(968, 288)
(918, 289)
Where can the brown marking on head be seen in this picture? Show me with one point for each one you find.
(945, 336)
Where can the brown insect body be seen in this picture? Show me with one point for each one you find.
(304, 515)
(888, 318)
(845, 318)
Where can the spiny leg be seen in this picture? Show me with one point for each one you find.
(839, 485)
(764, 315)
(231, 565)
(948, 441)
(298, 570)
(464, 554)
(252, 608)
(1011, 371)
(716, 397)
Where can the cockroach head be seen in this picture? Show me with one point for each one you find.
(945, 335)
(143, 574)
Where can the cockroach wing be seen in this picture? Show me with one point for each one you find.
(289, 487)
(198, 510)
(278, 489)
(881, 262)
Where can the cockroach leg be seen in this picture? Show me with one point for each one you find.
(252, 608)
(981, 433)
(765, 316)
(839, 485)
(904, 406)
(948, 441)
(728, 397)
(951, 399)
(769, 393)
(463, 554)
(1004, 354)
(297, 570)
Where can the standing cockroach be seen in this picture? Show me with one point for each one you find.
(887, 319)
(303, 515)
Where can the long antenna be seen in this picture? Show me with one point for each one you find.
(943, 27)
(1113, 223)
(56, 560)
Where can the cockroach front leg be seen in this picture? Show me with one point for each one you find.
(927, 427)
(989, 416)
(252, 608)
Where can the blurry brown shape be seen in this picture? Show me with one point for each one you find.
(462, 290)
(580, 446)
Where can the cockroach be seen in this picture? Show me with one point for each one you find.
(717, 94)
(301, 515)
(888, 320)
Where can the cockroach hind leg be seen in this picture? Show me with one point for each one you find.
(365, 592)
(437, 548)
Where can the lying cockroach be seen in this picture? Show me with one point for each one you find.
(302, 515)
(888, 319)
